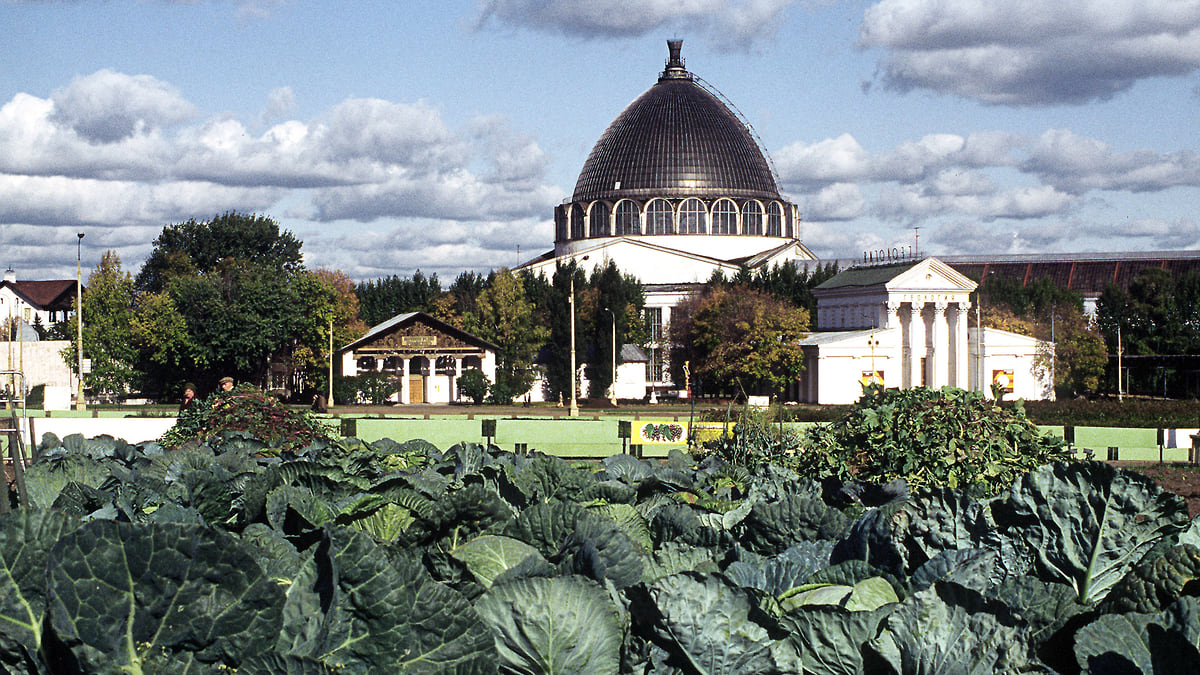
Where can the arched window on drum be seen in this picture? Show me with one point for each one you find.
(693, 217)
(660, 217)
(578, 231)
(774, 220)
(724, 217)
(598, 220)
(627, 218)
(752, 217)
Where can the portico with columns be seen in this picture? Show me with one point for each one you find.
(423, 355)
(904, 325)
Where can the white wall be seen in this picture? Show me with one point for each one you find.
(1003, 350)
(40, 361)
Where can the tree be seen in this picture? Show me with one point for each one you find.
(108, 308)
(504, 317)
(559, 378)
(384, 298)
(326, 299)
(185, 249)
(234, 281)
(737, 338)
(167, 357)
(615, 302)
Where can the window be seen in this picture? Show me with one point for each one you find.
(752, 219)
(692, 217)
(577, 229)
(560, 225)
(366, 364)
(774, 220)
(654, 367)
(627, 218)
(598, 222)
(445, 365)
(655, 323)
(724, 219)
(660, 217)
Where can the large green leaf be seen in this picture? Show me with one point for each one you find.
(555, 626)
(1088, 523)
(1163, 643)
(710, 623)
(902, 536)
(489, 555)
(26, 538)
(830, 639)
(158, 597)
(355, 607)
(951, 630)
(44, 480)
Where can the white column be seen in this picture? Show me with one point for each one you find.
(916, 332)
(892, 315)
(961, 379)
(939, 346)
(458, 361)
(405, 387)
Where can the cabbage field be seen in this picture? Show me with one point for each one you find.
(227, 555)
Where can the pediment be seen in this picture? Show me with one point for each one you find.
(930, 275)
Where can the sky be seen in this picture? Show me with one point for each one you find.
(439, 135)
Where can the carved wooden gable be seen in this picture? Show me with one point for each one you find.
(418, 336)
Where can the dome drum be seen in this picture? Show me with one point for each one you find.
(676, 216)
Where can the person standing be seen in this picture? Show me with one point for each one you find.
(226, 383)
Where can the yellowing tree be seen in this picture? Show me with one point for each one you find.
(738, 338)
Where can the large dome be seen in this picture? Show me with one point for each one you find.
(676, 140)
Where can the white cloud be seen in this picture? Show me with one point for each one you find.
(840, 201)
(106, 107)
(1029, 52)
(279, 103)
(724, 23)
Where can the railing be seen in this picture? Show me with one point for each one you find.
(11, 427)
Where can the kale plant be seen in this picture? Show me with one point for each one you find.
(246, 411)
(947, 436)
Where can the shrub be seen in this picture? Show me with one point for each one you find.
(473, 384)
(949, 436)
(245, 409)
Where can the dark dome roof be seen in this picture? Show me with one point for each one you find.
(676, 140)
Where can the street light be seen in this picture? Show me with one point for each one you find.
(80, 402)
(612, 390)
(573, 410)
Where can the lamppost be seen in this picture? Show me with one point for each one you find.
(612, 390)
(80, 401)
(873, 342)
(573, 410)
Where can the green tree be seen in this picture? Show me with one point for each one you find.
(558, 312)
(185, 249)
(326, 299)
(234, 281)
(613, 302)
(108, 308)
(167, 357)
(384, 298)
(504, 317)
(737, 338)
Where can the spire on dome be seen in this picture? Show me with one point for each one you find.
(675, 69)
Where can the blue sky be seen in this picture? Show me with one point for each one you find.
(392, 137)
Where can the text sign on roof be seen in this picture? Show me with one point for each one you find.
(418, 340)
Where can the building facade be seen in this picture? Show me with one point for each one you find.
(676, 189)
(425, 355)
(907, 325)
